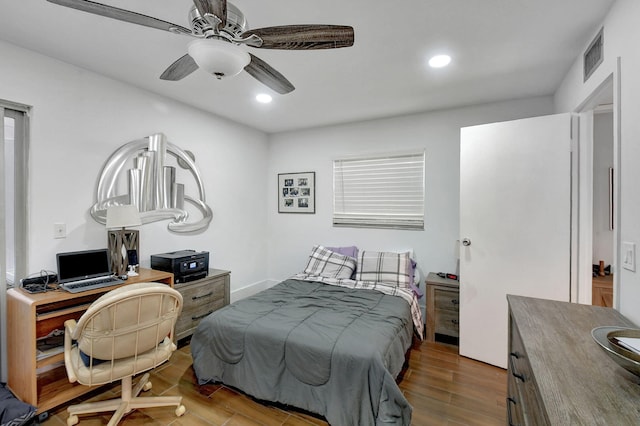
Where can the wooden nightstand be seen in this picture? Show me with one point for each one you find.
(200, 298)
(442, 309)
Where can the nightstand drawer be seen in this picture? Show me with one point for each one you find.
(200, 298)
(448, 300)
(447, 322)
(189, 319)
(203, 293)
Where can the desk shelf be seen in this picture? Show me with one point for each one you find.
(43, 382)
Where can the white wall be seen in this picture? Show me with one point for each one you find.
(621, 32)
(80, 118)
(291, 236)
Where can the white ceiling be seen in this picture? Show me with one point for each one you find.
(501, 49)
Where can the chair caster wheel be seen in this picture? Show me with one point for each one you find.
(180, 410)
(147, 386)
(72, 420)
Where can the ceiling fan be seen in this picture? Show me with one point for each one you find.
(220, 28)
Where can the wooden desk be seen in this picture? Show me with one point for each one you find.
(42, 381)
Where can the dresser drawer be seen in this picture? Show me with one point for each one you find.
(521, 386)
(514, 403)
(447, 300)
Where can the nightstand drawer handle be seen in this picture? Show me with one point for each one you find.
(455, 321)
(455, 301)
(203, 296)
(512, 356)
(197, 317)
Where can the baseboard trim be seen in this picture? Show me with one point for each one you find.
(251, 289)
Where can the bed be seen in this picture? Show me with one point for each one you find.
(328, 340)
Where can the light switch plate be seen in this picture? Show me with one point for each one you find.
(59, 230)
(629, 256)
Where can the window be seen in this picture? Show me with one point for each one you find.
(13, 207)
(383, 191)
(13, 217)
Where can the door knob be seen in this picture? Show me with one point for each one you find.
(466, 242)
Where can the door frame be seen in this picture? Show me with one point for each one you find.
(582, 177)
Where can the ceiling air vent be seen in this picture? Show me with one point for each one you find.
(593, 55)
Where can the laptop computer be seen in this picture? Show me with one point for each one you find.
(85, 270)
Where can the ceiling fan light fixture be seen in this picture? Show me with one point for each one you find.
(218, 57)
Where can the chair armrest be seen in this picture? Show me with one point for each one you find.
(69, 329)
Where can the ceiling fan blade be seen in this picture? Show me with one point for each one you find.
(301, 37)
(121, 14)
(213, 7)
(268, 76)
(180, 69)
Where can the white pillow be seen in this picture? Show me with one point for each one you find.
(329, 264)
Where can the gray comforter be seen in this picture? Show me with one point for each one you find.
(330, 350)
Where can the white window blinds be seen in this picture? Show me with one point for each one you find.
(384, 191)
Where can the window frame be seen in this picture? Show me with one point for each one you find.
(20, 113)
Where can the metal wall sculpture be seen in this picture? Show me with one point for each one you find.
(152, 185)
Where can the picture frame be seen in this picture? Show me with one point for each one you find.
(297, 192)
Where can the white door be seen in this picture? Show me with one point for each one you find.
(515, 212)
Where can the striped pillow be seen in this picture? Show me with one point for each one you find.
(384, 267)
(326, 263)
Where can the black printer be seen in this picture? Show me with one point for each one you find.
(186, 265)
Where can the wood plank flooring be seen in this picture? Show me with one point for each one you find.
(443, 388)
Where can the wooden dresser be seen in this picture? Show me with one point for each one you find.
(443, 297)
(558, 375)
(200, 298)
(40, 378)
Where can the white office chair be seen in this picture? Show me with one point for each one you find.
(125, 332)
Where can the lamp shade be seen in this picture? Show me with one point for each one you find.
(122, 216)
(217, 57)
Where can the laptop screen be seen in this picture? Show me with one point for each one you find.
(78, 265)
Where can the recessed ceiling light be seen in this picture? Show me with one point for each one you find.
(263, 98)
(439, 61)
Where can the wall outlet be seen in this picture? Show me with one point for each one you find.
(629, 256)
(59, 230)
